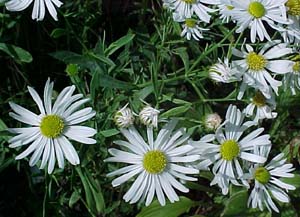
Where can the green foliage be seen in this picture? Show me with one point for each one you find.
(119, 52)
(170, 209)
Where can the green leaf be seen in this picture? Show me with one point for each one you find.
(4, 134)
(295, 181)
(74, 198)
(58, 32)
(176, 111)
(69, 57)
(184, 57)
(17, 53)
(97, 193)
(102, 80)
(236, 204)
(110, 82)
(109, 133)
(169, 210)
(113, 47)
(88, 192)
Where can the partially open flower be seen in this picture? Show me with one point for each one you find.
(149, 116)
(124, 117)
(212, 121)
(223, 72)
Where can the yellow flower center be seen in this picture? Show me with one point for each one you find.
(229, 150)
(229, 7)
(296, 67)
(189, 1)
(52, 126)
(262, 175)
(191, 23)
(255, 61)
(154, 162)
(256, 9)
(293, 7)
(259, 99)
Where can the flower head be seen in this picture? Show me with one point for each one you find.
(187, 8)
(191, 28)
(158, 164)
(223, 72)
(254, 14)
(225, 8)
(39, 6)
(291, 80)
(267, 182)
(231, 149)
(258, 66)
(48, 131)
(149, 116)
(212, 121)
(262, 106)
(124, 117)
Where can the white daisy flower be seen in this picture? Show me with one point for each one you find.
(254, 13)
(157, 163)
(223, 72)
(39, 7)
(257, 67)
(291, 32)
(191, 28)
(212, 121)
(291, 80)
(268, 184)
(48, 131)
(264, 107)
(187, 8)
(124, 117)
(149, 116)
(225, 8)
(226, 156)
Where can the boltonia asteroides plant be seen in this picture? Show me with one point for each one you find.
(48, 133)
(158, 163)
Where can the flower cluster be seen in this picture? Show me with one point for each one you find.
(257, 15)
(257, 69)
(160, 162)
(236, 158)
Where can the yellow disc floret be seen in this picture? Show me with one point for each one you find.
(191, 23)
(229, 7)
(296, 67)
(154, 162)
(257, 9)
(293, 7)
(52, 126)
(256, 62)
(259, 99)
(189, 1)
(229, 150)
(262, 175)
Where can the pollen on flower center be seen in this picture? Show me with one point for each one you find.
(293, 7)
(229, 7)
(296, 67)
(259, 99)
(262, 175)
(256, 9)
(154, 162)
(255, 61)
(191, 23)
(189, 1)
(229, 150)
(52, 126)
